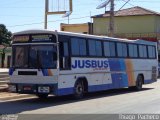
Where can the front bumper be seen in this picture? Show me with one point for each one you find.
(33, 88)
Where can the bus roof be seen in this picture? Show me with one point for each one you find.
(39, 31)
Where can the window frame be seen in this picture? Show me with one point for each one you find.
(122, 49)
(115, 42)
(137, 51)
(102, 50)
(115, 48)
(79, 46)
(143, 53)
(65, 39)
(155, 53)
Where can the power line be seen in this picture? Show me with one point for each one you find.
(124, 4)
(35, 16)
(27, 24)
(129, 3)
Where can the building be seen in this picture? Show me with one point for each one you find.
(131, 23)
(1, 55)
(85, 28)
(5, 56)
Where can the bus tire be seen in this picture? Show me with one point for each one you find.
(139, 83)
(42, 96)
(78, 90)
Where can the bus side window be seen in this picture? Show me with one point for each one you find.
(65, 61)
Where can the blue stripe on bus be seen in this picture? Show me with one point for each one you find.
(65, 91)
(149, 81)
(45, 72)
(122, 65)
(117, 65)
(11, 70)
(115, 84)
(125, 80)
(114, 65)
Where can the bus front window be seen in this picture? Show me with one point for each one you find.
(42, 57)
(20, 58)
(35, 57)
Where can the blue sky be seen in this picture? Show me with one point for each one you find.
(19, 15)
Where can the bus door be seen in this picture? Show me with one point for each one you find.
(64, 54)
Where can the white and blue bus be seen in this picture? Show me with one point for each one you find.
(61, 63)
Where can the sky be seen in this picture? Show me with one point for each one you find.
(20, 15)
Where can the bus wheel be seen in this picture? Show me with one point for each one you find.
(42, 96)
(78, 90)
(139, 83)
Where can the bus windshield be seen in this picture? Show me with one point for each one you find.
(35, 56)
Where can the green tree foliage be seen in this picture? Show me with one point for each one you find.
(5, 35)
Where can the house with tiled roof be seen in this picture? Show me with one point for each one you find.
(132, 23)
(85, 28)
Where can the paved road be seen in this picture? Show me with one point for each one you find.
(4, 79)
(113, 101)
(4, 76)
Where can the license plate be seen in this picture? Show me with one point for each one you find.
(43, 89)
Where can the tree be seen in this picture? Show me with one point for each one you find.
(5, 35)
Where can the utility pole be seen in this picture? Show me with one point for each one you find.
(111, 23)
(46, 14)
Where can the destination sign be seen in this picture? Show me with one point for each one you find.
(23, 38)
(41, 37)
(34, 38)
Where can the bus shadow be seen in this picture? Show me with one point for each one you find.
(18, 106)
